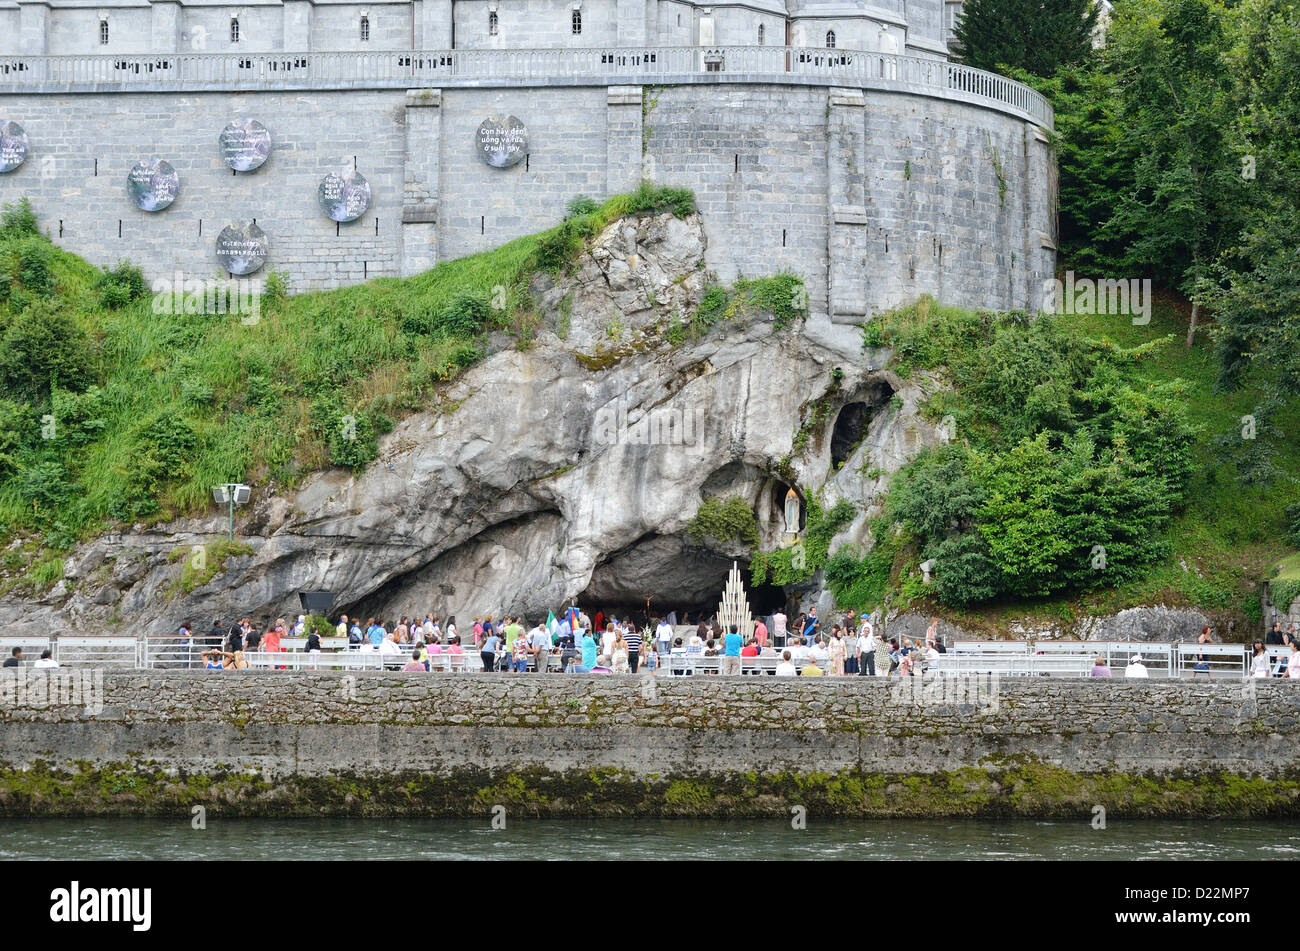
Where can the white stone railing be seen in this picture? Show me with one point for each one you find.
(221, 71)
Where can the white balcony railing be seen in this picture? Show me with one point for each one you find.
(221, 71)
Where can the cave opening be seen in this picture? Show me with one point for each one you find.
(763, 599)
(847, 433)
(658, 575)
(855, 417)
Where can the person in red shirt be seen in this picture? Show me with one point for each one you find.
(750, 649)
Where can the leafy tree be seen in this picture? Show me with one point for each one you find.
(1174, 88)
(1094, 157)
(1036, 35)
(936, 494)
(1018, 520)
(1257, 307)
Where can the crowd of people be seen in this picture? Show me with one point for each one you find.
(574, 643)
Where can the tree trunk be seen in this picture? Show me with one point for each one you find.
(1191, 328)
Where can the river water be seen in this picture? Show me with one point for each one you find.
(355, 839)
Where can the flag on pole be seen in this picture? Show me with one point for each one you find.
(551, 623)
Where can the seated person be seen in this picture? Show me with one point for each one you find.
(798, 652)
(602, 665)
(811, 669)
(785, 668)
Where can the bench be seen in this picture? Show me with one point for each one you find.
(31, 646)
(104, 650)
(1224, 660)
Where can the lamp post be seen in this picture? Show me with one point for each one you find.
(232, 494)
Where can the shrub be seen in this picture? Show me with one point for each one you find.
(581, 205)
(17, 220)
(18, 431)
(121, 285)
(79, 418)
(936, 494)
(35, 266)
(1292, 513)
(650, 199)
(44, 346)
(276, 290)
(873, 335)
(352, 438)
(725, 521)
(45, 483)
(170, 440)
(465, 316)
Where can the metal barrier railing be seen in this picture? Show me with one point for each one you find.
(1006, 658)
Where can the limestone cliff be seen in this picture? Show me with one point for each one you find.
(563, 468)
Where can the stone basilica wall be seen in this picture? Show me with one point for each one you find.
(873, 197)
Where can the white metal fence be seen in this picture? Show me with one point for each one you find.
(397, 69)
(1005, 658)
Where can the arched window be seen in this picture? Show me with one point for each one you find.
(762, 31)
(103, 32)
(577, 22)
(365, 29)
(830, 39)
(493, 24)
(234, 29)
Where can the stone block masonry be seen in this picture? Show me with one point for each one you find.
(368, 743)
(872, 197)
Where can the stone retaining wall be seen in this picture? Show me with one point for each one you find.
(276, 743)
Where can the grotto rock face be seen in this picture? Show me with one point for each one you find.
(566, 468)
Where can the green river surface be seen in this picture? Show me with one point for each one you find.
(523, 838)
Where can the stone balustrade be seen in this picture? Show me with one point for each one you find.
(211, 72)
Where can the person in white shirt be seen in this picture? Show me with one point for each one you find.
(778, 629)
(46, 661)
(1136, 668)
(664, 635)
(607, 641)
(820, 654)
(540, 643)
(798, 652)
(867, 649)
(785, 668)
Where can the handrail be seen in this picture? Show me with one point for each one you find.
(408, 68)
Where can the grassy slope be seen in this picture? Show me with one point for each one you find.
(1228, 536)
(246, 390)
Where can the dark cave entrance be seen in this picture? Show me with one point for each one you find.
(675, 577)
(854, 418)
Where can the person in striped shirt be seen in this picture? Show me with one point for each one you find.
(633, 638)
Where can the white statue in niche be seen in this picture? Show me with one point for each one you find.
(792, 512)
